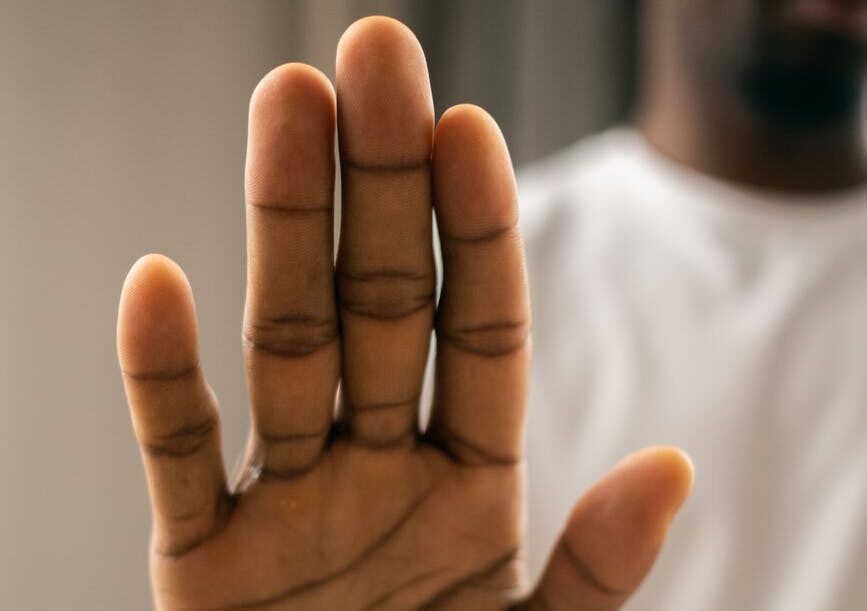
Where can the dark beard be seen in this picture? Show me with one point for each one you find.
(817, 87)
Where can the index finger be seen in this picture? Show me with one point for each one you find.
(483, 318)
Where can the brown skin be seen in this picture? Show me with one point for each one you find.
(754, 92)
(364, 511)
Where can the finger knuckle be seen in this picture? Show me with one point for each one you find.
(183, 441)
(385, 294)
(496, 339)
(290, 336)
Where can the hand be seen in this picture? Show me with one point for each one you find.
(361, 509)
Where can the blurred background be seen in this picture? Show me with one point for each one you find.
(122, 132)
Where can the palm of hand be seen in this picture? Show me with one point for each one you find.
(361, 509)
(405, 529)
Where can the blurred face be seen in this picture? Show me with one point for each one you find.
(798, 64)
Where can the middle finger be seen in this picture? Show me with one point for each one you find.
(385, 269)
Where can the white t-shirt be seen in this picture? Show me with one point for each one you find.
(673, 308)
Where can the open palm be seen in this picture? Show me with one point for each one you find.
(352, 504)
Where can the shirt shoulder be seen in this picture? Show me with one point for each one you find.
(569, 182)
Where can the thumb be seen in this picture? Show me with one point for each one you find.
(614, 533)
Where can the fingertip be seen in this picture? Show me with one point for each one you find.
(384, 97)
(292, 78)
(620, 524)
(380, 28)
(152, 275)
(472, 170)
(667, 471)
(468, 118)
(156, 326)
(468, 134)
(290, 143)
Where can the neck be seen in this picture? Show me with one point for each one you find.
(709, 129)
(738, 148)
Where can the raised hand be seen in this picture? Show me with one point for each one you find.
(357, 508)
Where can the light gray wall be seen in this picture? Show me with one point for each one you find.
(122, 128)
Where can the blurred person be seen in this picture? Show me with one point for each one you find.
(697, 279)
